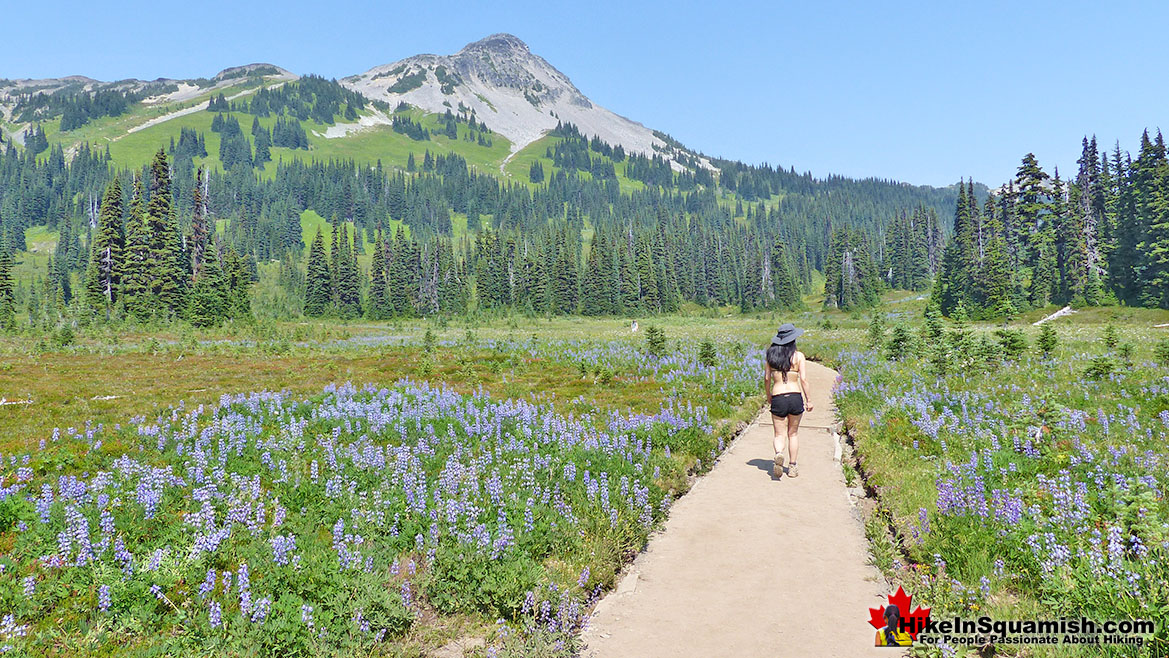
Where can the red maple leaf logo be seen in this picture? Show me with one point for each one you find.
(911, 623)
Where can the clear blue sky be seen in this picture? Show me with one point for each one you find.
(924, 92)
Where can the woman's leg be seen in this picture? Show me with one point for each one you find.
(793, 442)
(779, 436)
(777, 440)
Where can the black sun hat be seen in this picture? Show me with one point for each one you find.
(787, 334)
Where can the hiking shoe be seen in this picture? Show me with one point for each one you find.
(777, 467)
(793, 470)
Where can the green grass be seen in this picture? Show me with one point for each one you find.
(41, 239)
(520, 165)
(31, 264)
(518, 168)
(311, 222)
(366, 145)
(109, 130)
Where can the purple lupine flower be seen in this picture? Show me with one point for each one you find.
(245, 592)
(282, 545)
(407, 594)
(44, 503)
(1115, 544)
(107, 522)
(260, 610)
(208, 584)
(103, 598)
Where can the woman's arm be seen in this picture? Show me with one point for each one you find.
(804, 383)
(767, 382)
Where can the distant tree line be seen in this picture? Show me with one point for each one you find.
(309, 98)
(77, 108)
(1098, 238)
(627, 271)
(650, 250)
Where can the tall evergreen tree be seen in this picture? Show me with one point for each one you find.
(335, 263)
(136, 274)
(348, 279)
(647, 280)
(1092, 183)
(997, 274)
(7, 296)
(318, 294)
(1156, 244)
(594, 292)
(564, 279)
(785, 285)
(378, 307)
(200, 226)
(103, 277)
(452, 286)
(1126, 268)
(238, 282)
(538, 285)
(403, 273)
(851, 281)
(208, 303)
(165, 266)
(1071, 247)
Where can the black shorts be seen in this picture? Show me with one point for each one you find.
(787, 404)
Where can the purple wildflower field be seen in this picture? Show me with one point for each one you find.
(327, 525)
(1026, 488)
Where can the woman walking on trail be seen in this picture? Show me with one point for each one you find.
(786, 383)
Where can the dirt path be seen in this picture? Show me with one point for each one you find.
(748, 566)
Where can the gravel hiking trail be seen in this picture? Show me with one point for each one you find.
(750, 566)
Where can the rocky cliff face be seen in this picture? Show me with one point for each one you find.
(514, 92)
(502, 60)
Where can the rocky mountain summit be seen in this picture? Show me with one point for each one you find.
(515, 92)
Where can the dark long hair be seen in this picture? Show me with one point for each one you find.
(779, 357)
(892, 623)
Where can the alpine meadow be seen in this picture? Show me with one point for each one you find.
(436, 359)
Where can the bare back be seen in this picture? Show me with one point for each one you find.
(792, 385)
